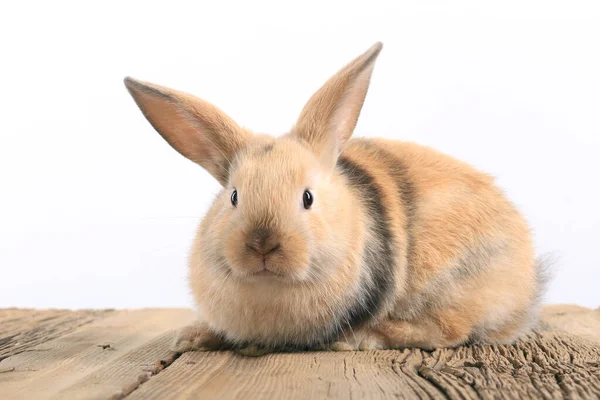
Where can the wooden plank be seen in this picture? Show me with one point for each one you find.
(52, 368)
(22, 329)
(580, 321)
(138, 364)
(549, 364)
(362, 375)
(118, 378)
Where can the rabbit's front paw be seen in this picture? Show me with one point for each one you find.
(342, 346)
(195, 337)
(364, 339)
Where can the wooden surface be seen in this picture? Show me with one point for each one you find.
(124, 353)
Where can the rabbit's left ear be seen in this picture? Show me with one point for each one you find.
(195, 128)
(330, 115)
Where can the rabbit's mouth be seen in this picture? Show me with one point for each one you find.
(267, 273)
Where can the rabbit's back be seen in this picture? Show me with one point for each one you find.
(462, 250)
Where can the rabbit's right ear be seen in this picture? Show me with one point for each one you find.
(195, 128)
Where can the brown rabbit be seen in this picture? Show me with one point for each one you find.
(321, 241)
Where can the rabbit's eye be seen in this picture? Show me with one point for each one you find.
(307, 199)
(234, 198)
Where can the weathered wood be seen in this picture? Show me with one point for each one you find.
(22, 329)
(73, 363)
(121, 376)
(133, 361)
(577, 320)
(547, 365)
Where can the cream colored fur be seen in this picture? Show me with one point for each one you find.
(461, 256)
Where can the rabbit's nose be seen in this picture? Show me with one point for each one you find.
(263, 241)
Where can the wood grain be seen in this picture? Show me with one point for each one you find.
(22, 329)
(547, 365)
(577, 320)
(74, 361)
(121, 376)
(124, 354)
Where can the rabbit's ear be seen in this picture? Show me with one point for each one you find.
(195, 128)
(330, 115)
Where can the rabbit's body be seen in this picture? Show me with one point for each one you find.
(403, 246)
(433, 241)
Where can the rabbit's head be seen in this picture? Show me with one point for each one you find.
(284, 214)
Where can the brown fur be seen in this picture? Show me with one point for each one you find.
(267, 273)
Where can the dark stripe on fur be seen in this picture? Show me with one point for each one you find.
(380, 259)
(405, 190)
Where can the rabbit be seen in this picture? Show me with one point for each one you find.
(320, 241)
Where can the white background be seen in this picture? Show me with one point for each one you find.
(96, 210)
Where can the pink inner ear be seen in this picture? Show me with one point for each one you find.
(349, 104)
(195, 128)
(171, 122)
(184, 132)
